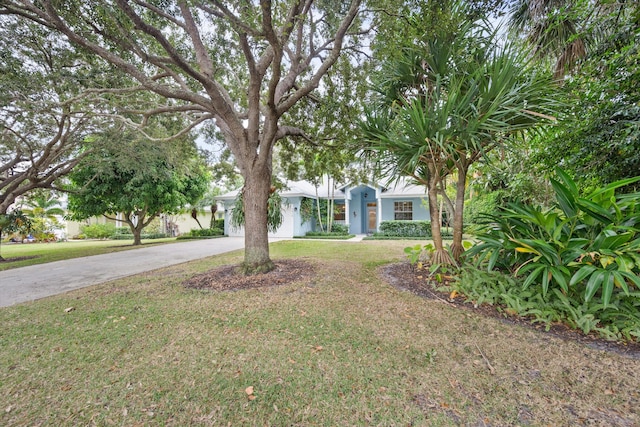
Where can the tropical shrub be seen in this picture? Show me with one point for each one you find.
(583, 253)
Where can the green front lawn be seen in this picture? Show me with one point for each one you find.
(40, 253)
(342, 348)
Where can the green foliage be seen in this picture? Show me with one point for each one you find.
(328, 235)
(405, 229)
(274, 212)
(146, 236)
(205, 232)
(218, 224)
(307, 211)
(619, 320)
(123, 230)
(482, 204)
(447, 101)
(598, 133)
(414, 253)
(99, 231)
(339, 228)
(139, 178)
(14, 221)
(585, 249)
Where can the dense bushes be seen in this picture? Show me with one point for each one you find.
(405, 229)
(338, 231)
(487, 203)
(98, 231)
(579, 261)
(205, 232)
(196, 233)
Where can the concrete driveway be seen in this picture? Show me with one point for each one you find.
(38, 281)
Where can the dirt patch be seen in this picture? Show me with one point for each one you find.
(227, 278)
(18, 258)
(404, 276)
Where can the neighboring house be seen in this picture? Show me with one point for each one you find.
(172, 225)
(361, 207)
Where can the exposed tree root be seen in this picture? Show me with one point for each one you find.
(456, 251)
(251, 269)
(442, 257)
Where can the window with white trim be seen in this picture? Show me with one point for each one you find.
(403, 211)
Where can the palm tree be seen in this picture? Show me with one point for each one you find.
(43, 209)
(564, 30)
(447, 104)
(42, 205)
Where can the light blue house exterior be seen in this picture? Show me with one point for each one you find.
(361, 207)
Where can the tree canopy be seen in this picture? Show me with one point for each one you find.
(241, 65)
(598, 136)
(45, 109)
(139, 179)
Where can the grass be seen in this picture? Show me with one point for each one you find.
(40, 253)
(343, 348)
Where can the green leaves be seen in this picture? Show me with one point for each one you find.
(586, 246)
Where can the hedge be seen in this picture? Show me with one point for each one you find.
(405, 229)
(142, 236)
(205, 232)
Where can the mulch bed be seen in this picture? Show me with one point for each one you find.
(227, 278)
(404, 276)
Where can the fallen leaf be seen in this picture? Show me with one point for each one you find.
(608, 391)
(453, 295)
(251, 397)
(249, 390)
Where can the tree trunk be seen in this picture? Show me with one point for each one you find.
(458, 218)
(137, 240)
(440, 256)
(136, 228)
(256, 240)
(319, 212)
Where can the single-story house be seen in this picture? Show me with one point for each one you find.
(361, 207)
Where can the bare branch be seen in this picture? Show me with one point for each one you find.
(284, 131)
(204, 61)
(326, 64)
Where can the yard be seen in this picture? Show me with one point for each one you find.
(339, 346)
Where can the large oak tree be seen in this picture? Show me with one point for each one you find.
(45, 111)
(241, 64)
